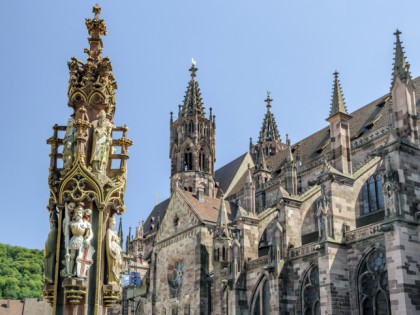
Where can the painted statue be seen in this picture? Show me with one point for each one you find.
(50, 250)
(68, 144)
(78, 236)
(101, 144)
(113, 253)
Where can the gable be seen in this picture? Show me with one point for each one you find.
(179, 217)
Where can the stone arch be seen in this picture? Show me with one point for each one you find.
(360, 181)
(372, 282)
(260, 298)
(309, 295)
(266, 239)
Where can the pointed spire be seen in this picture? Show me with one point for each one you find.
(289, 156)
(337, 103)
(222, 220)
(193, 103)
(401, 67)
(96, 27)
(128, 241)
(120, 232)
(269, 129)
(263, 163)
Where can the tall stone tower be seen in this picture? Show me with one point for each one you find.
(87, 179)
(193, 144)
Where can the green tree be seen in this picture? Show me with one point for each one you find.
(21, 272)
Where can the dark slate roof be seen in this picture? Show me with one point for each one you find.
(226, 173)
(366, 120)
(153, 216)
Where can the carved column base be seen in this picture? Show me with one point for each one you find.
(111, 294)
(74, 290)
(48, 292)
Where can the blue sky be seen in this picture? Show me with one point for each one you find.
(242, 48)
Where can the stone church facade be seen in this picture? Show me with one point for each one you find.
(328, 225)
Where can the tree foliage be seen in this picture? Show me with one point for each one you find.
(21, 272)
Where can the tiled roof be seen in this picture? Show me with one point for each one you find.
(208, 210)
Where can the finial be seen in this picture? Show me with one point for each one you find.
(397, 33)
(287, 139)
(96, 10)
(401, 67)
(268, 100)
(172, 116)
(337, 103)
(193, 69)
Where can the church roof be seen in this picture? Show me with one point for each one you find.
(152, 220)
(366, 120)
(208, 210)
(228, 175)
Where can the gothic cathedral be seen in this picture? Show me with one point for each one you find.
(327, 225)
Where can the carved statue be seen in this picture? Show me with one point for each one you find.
(325, 228)
(50, 250)
(69, 143)
(101, 144)
(113, 253)
(78, 235)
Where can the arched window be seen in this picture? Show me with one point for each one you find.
(191, 128)
(261, 304)
(371, 196)
(202, 157)
(373, 285)
(188, 160)
(310, 292)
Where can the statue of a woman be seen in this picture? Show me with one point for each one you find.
(113, 253)
(101, 143)
(50, 250)
(68, 144)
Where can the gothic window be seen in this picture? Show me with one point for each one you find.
(188, 160)
(373, 285)
(191, 128)
(371, 196)
(261, 303)
(310, 292)
(202, 159)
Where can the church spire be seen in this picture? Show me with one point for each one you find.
(222, 220)
(120, 232)
(401, 67)
(193, 103)
(337, 103)
(269, 129)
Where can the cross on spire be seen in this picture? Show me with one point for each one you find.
(193, 68)
(401, 67)
(337, 103)
(268, 100)
(269, 129)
